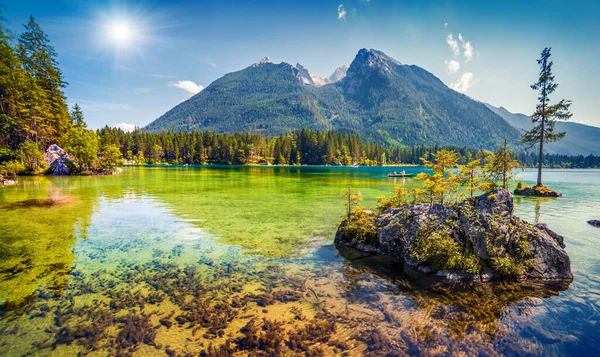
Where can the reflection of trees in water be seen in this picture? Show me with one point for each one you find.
(39, 226)
(538, 202)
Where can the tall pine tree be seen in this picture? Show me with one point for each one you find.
(545, 116)
(48, 110)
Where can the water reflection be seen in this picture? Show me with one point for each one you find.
(37, 239)
(157, 263)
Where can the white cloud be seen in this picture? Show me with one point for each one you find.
(460, 38)
(453, 44)
(125, 127)
(452, 66)
(446, 25)
(341, 12)
(464, 83)
(468, 51)
(188, 86)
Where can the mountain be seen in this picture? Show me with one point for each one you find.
(307, 77)
(580, 139)
(338, 74)
(383, 99)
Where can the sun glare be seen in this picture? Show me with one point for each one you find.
(121, 33)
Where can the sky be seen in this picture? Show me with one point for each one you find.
(128, 62)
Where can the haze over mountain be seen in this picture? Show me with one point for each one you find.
(382, 98)
(581, 139)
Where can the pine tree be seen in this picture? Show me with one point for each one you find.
(47, 108)
(545, 116)
(77, 117)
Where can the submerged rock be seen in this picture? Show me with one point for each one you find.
(58, 160)
(595, 223)
(477, 239)
(539, 191)
(8, 182)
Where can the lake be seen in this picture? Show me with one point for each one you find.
(187, 261)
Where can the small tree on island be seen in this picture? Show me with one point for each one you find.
(359, 222)
(499, 167)
(444, 182)
(470, 176)
(353, 202)
(545, 116)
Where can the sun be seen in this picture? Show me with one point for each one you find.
(121, 33)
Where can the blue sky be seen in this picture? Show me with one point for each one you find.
(168, 50)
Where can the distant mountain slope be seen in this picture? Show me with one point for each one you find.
(581, 139)
(264, 97)
(377, 95)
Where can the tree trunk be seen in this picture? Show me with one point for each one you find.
(541, 157)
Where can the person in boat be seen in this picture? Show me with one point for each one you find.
(395, 174)
(403, 173)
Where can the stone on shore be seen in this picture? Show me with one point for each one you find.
(58, 160)
(594, 222)
(477, 239)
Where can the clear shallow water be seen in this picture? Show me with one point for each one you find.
(171, 260)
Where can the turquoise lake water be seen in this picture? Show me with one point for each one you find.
(211, 259)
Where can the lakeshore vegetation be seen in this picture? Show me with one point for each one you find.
(34, 114)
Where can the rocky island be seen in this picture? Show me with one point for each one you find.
(477, 239)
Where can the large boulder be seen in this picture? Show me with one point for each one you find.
(477, 239)
(58, 160)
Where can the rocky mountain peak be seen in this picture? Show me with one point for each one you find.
(307, 77)
(338, 74)
(264, 60)
(373, 59)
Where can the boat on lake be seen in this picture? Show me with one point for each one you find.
(392, 174)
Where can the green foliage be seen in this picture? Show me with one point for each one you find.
(399, 197)
(435, 246)
(31, 158)
(109, 158)
(10, 169)
(157, 153)
(361, 226)
(32, 104)
(353, 199)
(469, 175)
(499, 167)
(441, 186)
(359, 222)
(82, 145)
(506, 265)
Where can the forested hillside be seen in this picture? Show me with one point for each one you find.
(386, 101)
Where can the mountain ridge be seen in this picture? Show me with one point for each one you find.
(581, 139)
(387, 101)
